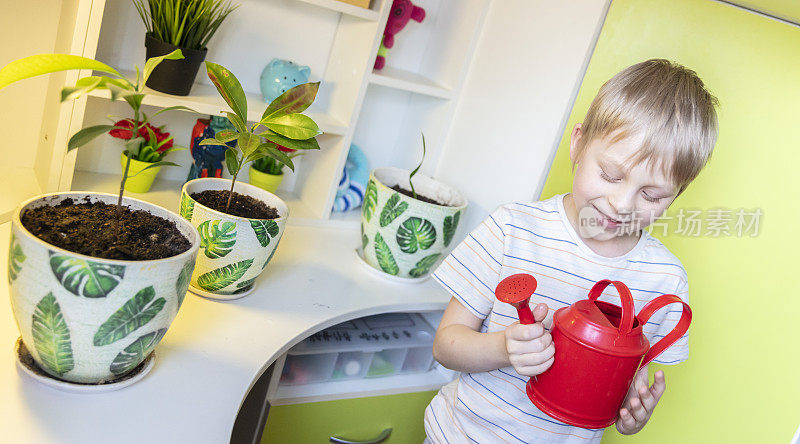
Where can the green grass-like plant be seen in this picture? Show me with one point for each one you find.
(186, 24)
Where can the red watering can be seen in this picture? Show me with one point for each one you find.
(599, 348)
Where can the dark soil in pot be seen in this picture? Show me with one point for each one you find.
(89, 228)
(241, 205)
(419, 196)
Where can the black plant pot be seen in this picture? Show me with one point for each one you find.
(173, 76)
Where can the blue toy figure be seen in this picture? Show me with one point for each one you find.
(281, 76)
(350, 193)
(208, 158)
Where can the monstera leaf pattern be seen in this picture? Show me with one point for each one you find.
(182, 284)
(370, 200)
(51, 336)
(187, 207)
(138, 311)
(364, 238)
(394, 207)
(245, 283)
(264, 229)
(86, 278)
(135, 353)
(222, 277)
(384, 255)
(424, 265)
(450, 225)
(415, 234)
(269, 258)
(217, 237)
(15, 258)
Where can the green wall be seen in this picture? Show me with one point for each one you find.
(741, 382)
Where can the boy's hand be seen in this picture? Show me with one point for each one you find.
(530, 348)
(640, 402)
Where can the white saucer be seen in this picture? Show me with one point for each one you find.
(387, 276)
(221, 297)
(32, 370)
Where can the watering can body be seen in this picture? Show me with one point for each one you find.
(599, 348)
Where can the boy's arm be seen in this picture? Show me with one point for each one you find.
(460, 346)
(640, 402)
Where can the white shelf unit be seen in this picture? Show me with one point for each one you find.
(381, 111)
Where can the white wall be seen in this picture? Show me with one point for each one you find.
(507, 126)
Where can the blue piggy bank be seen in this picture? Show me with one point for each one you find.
(281, 76)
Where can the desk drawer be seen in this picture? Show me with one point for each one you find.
(353, 419)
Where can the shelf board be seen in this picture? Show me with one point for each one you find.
(409, 81)
(344, 8)
(205, 99)
(362, 387)
(24, 187)
(166, 193)
(348, 219)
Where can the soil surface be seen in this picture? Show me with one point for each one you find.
(89, 228)
(419, 196)
(241, 205)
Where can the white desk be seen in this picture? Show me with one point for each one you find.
(212, 353)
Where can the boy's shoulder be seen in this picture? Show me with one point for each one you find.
(527, 213)
(657, 252)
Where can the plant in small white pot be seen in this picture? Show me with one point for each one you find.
(240, 224)
(408, 221)
(95, 279)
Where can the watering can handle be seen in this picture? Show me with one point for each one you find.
(628, 309)
(675, 334)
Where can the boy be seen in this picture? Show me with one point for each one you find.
(646, 136)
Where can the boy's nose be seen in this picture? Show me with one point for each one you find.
(621, 203)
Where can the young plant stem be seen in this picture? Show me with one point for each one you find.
(230, 193)
(129, 155)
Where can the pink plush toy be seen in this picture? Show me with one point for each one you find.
(402, 11)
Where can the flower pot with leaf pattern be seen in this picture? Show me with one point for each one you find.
(233, 250)
(403, 236)
(86, 319)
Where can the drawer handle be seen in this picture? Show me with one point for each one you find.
(380, 438)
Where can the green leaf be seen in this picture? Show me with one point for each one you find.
(46, 63)
(134, 100)
(248, 143)
(211, 141)
(264, 229)
(226, 135)
(232, 161)
(51, 336)
(86, 135)
(187, 207)
(136, 352)
(153, 62)
(246, 283)
(269, 150)
(237, 122)
(73, 92)
(424, 265)
(222, 277)
(229, 88)
(308, 144)
(449, 228)
(394, 207)
(135, 313)
(415, 233)
(106, 82)
(384, 256)
(293, 126)
(217, 237)
(296, 100)
(364, 238)
(370, 200)
(86, 278)
(174, 108)
(15, 258)
(184, 278)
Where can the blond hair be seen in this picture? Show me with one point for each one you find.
(669, 105)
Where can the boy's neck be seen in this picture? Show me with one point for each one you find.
(614, 247)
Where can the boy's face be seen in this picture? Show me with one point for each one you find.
(613, 202)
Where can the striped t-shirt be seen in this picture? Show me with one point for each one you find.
(538, 239)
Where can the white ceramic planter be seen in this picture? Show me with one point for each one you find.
(233, 250)
(402, 236)
(87, 319)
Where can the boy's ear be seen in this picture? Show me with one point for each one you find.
(574, 138)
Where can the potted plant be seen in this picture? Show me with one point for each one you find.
(267, 173)
(240, 224)
(187, 25)
(405, 230)
(95, 279)
(155, 144)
